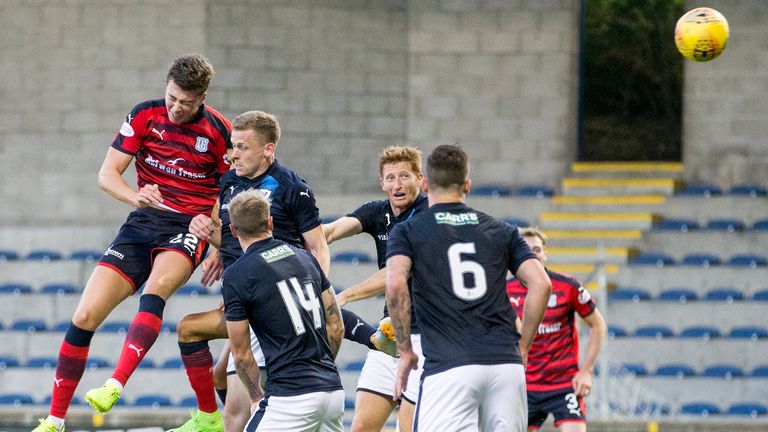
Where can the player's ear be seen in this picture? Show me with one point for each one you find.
(270, 225)
(232, 230)
(424, 185)
(202, 99)
(381, 183)
(467, 186)
(269, 150)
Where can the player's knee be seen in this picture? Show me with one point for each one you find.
(188, 329)
(86, 320)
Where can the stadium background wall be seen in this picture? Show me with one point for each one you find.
(345, 77)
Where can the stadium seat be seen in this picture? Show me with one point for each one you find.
(538, 191)
(115, 327)
(168, 327)
(349, 404)
(59, 288)
(635, 369)
(676, 370)
(760, 372)
(728, 224)
(748, 260)
(42, 362)
(97, 362)
(702, 409)
(748, 332)
(152, 400)
(354, 366)
(174, 363)
(681, 295)
(750, 190)
(704, 190)
(8, 255)
(517, 222)
(61, 326)
(147, 363)
(352, 257)
(16, 399)
(15, 288)
(629, 294)
(75, 400)
(86, 255)
(700, 332)
(760, 225)
(657, 259)
(43, 255)
(188, 402)
(29, 325)
(654, 331)
(7, 361)
(751, 409)
(682, 225)
(725, 371)
(652, 409)
(761, 295)
(615, 331)
(724, 294)
(492, 190)
(193, 289)
(701, 260)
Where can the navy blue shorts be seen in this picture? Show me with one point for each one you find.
(564, 405)
(144, 234)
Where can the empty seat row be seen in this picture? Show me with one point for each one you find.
(719, 224)
(682, 294)
(18, 288)
(707, 190)
(682, 370)
(704, 332)
(38, 325)
(500, 190)
(706, 409)
(94, 362)
(149, 400)
(51, 255)
(661, 259)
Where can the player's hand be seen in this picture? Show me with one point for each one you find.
(148, 195)
(202, 226)
(582, 383)
(409, 361)
(524, 355)
(213, 268)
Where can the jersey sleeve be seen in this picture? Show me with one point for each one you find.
(234, 310)
(304, 207)
(366, 214)
(226, 136)
(130, 138)
(519, 251)
(582, 300)
(398, 243)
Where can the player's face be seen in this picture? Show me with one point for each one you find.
(400, 184)
(537, 246)
(182, 105)
(250, 156)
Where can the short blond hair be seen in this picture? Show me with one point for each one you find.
(249, 213)
(534, 232)
(396, 153)
(263, 123)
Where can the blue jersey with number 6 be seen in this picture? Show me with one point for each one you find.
(460, 259)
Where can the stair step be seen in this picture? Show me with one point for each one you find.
(590, 255)
(618, 186)
(625, 169)
(582, 269)
(613, 200)
(614, 221)
(596, 235)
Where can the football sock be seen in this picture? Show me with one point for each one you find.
(73, 356)
(142, 334)
(198, 362)
(222, 395)
(356, 329)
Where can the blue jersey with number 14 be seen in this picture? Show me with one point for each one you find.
(460, 259)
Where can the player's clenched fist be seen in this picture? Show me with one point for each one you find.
(149, 195)
(202, 226)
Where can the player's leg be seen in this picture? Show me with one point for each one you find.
(411, 393)
(316, 411)
(220, 373)
(104, 291)
(504, 403)
(375, 386)
(332, 412)
(449, 400)
(573, 426)
(237, 410)
(371, 411)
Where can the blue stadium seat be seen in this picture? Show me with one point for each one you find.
(701, 260)
(724, 294)
(354, 366)
(658, 259)
(704, 190)
(682, 225)
(492, 190)
(152, 400)
(86, 255)
(75, 400)
(352, 257)
(635, 369)
(700, 332)
(16, 399)
(629, 294)
(168, 327)
(760, 372)
(748, 260)
(726, 224)
(538, 191)
(8, 255)
(115, 327)
(97, 362)
(349, 404)
(7, 361)
(193, 289)
(29, 325)
(702, 409)
(188, 402)
(43, 255)
(615, 331)
(654, 331)
(750, 409)
(174, 363)
(59, 288)
(676, 370)
(760, 225)
(652, 409)
(15, 288)
(681, 295)
(748, 332)
(147, 363)
(761, 295)
(518, 222)
(750, 190)
(42, 362)
(61, 326)
(725, 371)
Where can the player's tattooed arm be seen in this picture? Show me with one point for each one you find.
(245, 364)
(399, 299)
(334, 324)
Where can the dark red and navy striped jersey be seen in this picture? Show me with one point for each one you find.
(554, 356)
(185, 161)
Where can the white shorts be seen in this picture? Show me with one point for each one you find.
(380, 371)
(257, 354)
(318, 411)
(474, 398)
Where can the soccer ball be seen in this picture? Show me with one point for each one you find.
(701, 34)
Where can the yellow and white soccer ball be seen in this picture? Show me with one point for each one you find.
(701, 34)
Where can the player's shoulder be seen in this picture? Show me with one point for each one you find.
(148, 107)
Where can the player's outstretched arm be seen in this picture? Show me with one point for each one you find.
(245, 364)
(582, 382)
(342, 227)
(213, 268)
(334, 324)
(112, 182)
(532, 274)
(373, 286)
(399, 305)
(314, 242)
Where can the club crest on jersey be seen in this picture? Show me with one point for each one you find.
(552, 300)
(584, 295)
(202, 144)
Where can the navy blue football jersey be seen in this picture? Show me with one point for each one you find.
(277, 287)
(292, 206)
(460, 259)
